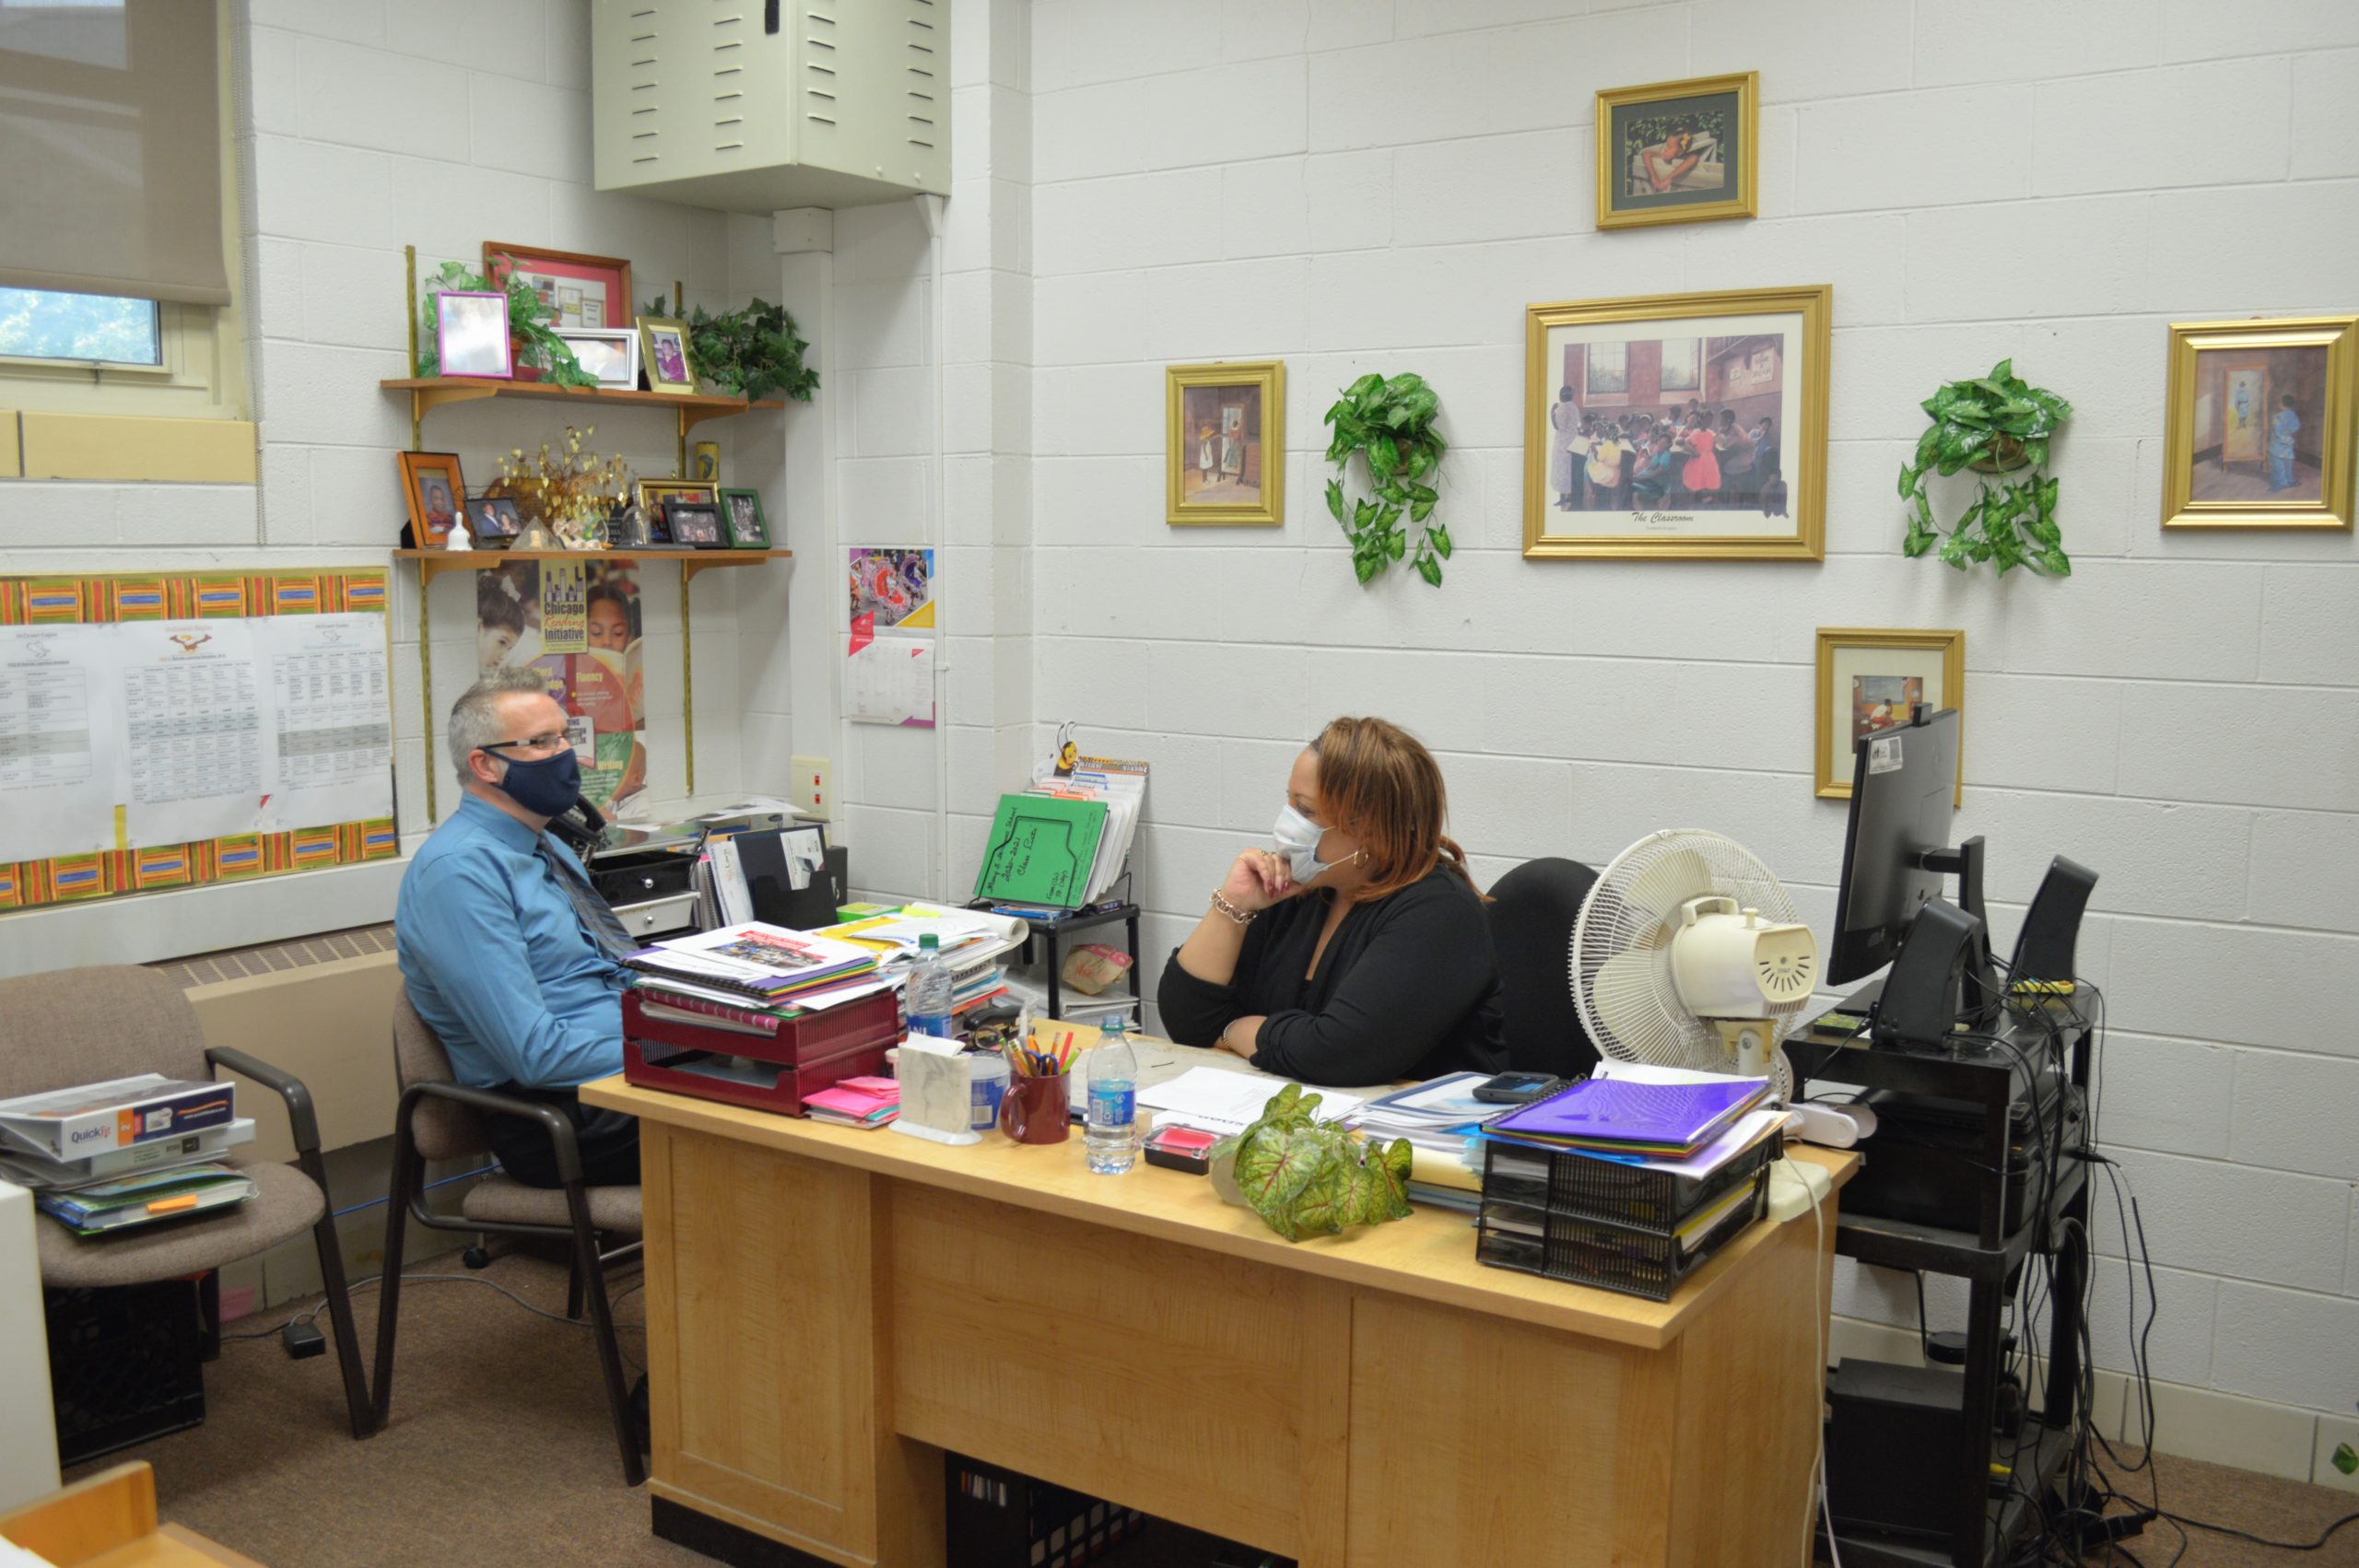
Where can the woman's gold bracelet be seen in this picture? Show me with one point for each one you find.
(1242, 917)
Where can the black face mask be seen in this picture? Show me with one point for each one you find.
(545, 788)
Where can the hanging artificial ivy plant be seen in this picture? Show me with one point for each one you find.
(1389, 424)
(1995, 425)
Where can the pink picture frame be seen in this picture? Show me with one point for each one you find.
(471, 336)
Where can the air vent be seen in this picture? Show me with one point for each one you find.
(273, 958)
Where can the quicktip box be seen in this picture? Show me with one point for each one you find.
(68, 1124)
(1182, 1149)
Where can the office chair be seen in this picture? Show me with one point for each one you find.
(440, 1119)
(1532, 910)
(87, 1026)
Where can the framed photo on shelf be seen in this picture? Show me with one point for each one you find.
(1224, 444)
(1870, 679)
(1678, 152)
(585, 291)
(431, 484)
(610, 354)
(742, 511)
(1680, 425)
(663, 352)
(494, 519)
(471, 334)
(2262, 419)
(695, 523)
(658, 496)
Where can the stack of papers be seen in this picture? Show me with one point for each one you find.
(1064, 843)
(766, 962)
(1212, 1100)
(1733, 1138)
(971, 941)
(1439, 1117)
(865, 1103)
(149, 1196)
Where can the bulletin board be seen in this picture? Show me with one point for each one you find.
(246, 699)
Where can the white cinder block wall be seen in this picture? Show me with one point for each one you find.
(366, 132)
(1384, 185)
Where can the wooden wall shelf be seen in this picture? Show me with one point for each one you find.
(430, 393)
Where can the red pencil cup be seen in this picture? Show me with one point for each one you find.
(1035, 1110)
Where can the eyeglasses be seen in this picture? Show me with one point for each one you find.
(548, 742)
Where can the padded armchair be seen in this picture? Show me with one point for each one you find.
(1532, 910)
(71, 1027)
(440, 1119)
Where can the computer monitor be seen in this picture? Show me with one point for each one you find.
(1897, 847)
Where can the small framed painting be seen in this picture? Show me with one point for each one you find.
(471, 334)
(664, 355)
(1871, 678)
(583, 291)
(1681, 424)
(1224, 451)
(609, 354)
(742, 511)
(1678, 152)
(2262, 422)
(431, 484)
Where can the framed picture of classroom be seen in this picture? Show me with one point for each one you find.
(1678, 152)
(1869, 679)
(2261, 424)
(1224, 444)
(1678, 425)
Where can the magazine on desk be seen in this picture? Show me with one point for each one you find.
(762, 960)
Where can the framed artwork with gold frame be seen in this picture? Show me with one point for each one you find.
(1678, 152)
(1224, 444)
(1869, 679)
(2261, 424)
(1678, 425)
(664, 354)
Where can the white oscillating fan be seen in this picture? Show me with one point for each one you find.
(1687, 954)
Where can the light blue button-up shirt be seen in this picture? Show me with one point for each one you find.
(495, 959)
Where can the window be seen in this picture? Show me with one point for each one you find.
(1683, 364)
(102, 152)
(1609, 367)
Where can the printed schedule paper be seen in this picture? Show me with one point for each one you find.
(57, 753)
(333, 720)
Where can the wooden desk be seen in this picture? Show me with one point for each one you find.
(827, 1309)
(108, 1520)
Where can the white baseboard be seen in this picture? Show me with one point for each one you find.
(2194, 1424)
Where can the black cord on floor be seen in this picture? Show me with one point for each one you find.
(2262, 1540)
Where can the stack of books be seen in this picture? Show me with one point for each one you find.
(1630, 1179)
(971, 941)
(126, 1153)
(790, 972)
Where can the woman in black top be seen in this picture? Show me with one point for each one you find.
(1358, 951)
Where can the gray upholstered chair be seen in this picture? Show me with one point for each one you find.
(442, 1120)
(71, 1027)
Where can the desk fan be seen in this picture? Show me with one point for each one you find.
(1687, 954)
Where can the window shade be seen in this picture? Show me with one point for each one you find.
(110, 149)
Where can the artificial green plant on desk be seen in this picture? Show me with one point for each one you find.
(1307, 1178)
(1995, 423)
(530, 326)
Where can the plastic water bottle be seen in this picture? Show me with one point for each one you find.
(930, 991)
(1113, 1102)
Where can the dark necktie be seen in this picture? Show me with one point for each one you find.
(597, 917)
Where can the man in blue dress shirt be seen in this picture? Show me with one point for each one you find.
(506, 950)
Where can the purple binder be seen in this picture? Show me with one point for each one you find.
(1604, 1110)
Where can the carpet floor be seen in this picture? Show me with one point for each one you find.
(500, 1452)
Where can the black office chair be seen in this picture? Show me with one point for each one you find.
(1532, 910)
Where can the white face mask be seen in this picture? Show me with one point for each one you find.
(1299, 838)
